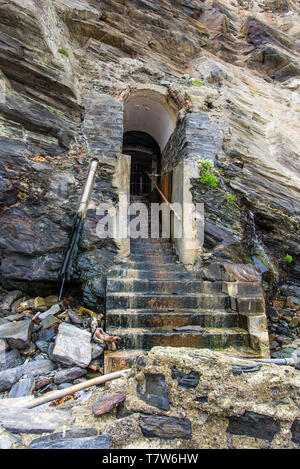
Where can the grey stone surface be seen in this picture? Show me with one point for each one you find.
(159, 426)
(7, 301)
(186, 380)
(10, 359)
(17, 334)
(93, 442)
(68, 374)
(72, 346)
(20, 420)
(255, 425)
(32, 369)
(156, 393)
(55, 309)
(74, 433)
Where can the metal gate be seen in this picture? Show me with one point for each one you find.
(139, 181)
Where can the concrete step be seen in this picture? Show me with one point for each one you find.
(150, 319)
(162, 286)
(163, 267)
(156, 302)
(138, 274)
(153, 258)
(168, 250)
(149, 241)
(208, 338)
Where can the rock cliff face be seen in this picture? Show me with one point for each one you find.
(65, 68)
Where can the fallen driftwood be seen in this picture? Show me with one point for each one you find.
(52, 396)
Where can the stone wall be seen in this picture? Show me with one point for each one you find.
(195, 136)
(57, 57)
(183, 398)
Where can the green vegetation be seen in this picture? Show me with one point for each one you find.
(196, 82)
(208, 173)
(230, 198)
(63, 51)
(227, 181)
(210, 179)
(288, 258)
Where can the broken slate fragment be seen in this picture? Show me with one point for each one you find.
(92, 442)
(107, 403)
(50, 312)
(253, 424)
(50, 322)
(9, 299)
(34, 369)
(156, 391)
(69, 374)
(160, 426)
(17, 334)
(10, 359)
(21, 420)
(72, 346)
(23, 388)
(185, 380)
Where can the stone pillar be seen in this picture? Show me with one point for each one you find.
(243, 284)
(187, 246)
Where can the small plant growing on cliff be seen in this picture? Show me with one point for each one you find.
(196, 82)
(230, 198)
(288, 258)
(208, 173)
(63, 51)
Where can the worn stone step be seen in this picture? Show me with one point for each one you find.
(149, 241)
(160, 302)
(138, 274)
(211, 338)
(153, 258)
(145, 319)
(162, 286)
(163, 267)
(152, 249)
(243, 289)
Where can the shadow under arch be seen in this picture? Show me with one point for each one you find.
(149, 111)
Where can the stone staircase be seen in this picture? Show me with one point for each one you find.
(154, 300)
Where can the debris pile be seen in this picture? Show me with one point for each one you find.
(47, 345)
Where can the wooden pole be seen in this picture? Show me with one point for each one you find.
(164, 197)
(52, 396)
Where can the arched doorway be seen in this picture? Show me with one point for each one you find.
(145, 159)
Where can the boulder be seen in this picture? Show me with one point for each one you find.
(72, 346)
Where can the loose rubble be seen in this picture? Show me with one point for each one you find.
(46, 345)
